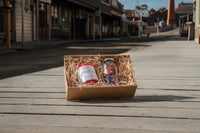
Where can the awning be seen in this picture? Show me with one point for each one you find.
(82, 3)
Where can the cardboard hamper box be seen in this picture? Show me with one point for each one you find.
(126, 86)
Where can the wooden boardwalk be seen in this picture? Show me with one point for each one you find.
(167, 99)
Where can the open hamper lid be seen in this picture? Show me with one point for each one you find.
(125, 87)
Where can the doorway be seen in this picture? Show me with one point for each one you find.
(81, 28)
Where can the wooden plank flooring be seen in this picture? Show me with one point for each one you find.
(167, 99)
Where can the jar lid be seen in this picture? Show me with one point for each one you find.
(86, 64)
(108, 59)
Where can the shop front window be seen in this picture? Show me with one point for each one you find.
(54, 17)
(42, 15)
(65, 18)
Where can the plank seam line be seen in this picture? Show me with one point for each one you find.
(168, 89)
(136, 100)
(29, 87)
(149, 79)
(98, 115)
(86, 127)
(43, 75)
(34, 97)
(103, 106)
(175, 84)
(31, 92)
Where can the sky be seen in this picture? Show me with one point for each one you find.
(156, 4)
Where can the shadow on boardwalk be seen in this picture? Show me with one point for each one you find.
(138, 99)
(41, 58)
(27, 61)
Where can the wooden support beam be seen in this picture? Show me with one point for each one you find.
(74, 24)
(22, 11)
(37, 22)
(8, 29)
(13, 24)
(78, 24)
(100, 27)
(87, 26)
(93, 27)
(8, 22)
(5, 20)
(49, 24)
(6, 3)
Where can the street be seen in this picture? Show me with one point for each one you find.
(167, 100)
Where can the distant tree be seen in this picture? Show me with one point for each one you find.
(162, 9)
(138, 7)
(144, 7)
(152, 10)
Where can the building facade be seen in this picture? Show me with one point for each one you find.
(43, 20)
(30, 19)
(197, 21)
(182, 10)
(158, 16)
(7, 25)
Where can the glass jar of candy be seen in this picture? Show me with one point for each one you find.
(110, 71)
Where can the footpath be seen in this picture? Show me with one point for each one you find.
(167, 99)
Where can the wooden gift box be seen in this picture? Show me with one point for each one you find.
(126, 78)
